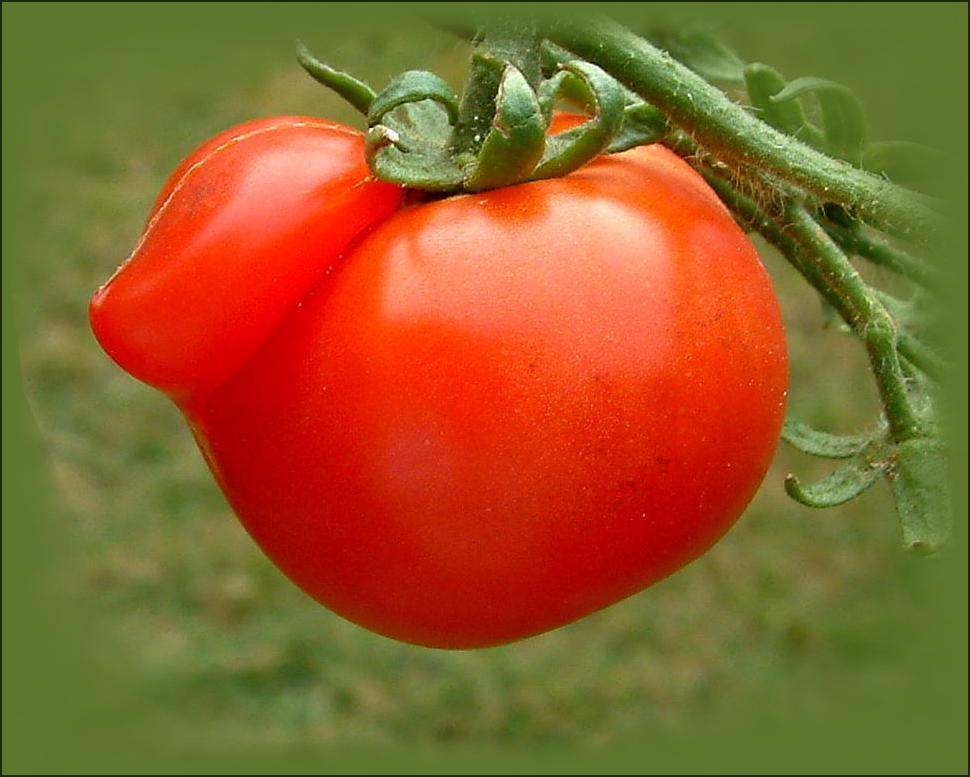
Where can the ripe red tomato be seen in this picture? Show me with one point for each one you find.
(462, 421)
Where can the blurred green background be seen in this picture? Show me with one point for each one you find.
(144, 631)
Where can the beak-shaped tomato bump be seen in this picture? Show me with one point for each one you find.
(241, 232)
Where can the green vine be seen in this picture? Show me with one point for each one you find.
(819, 193)
(738, 138)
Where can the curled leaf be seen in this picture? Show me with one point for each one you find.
(845, 483)
(642, 123)
(419, 166)
(410, 126)
(606, 100)
(824, 444)
(410, 87)
(763, 83)
(562, 87)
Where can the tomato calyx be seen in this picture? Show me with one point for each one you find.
(420, 135)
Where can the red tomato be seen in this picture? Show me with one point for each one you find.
(467, 420)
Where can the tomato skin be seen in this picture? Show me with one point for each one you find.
(500, 412)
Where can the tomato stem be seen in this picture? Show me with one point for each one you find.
(736, 137)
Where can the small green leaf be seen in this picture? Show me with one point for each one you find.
(823, 444)
(763, 83)
(845, 483)
(907, 164)
(702, 52)
(918, 479)
(842, 115)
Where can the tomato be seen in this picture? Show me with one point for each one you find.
(466, 420)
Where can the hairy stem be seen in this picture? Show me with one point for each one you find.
(734, 136)
(868, 318)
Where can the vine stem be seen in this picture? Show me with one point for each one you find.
(864, 312)
(916, 468)
(729, 132)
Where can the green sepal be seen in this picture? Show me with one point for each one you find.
(764, 82)
(424, 167)
(514, 144)
(573, 148)
(551, 57)
(642, 124)
(842, 485)
(824, 444)
(410, 148)
(495, 48)
(413, 86)
(842, 115)
(562, 87)
(353, 90)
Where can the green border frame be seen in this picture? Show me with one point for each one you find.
(62, 716)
